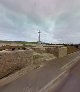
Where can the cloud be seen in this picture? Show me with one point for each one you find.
(58, 20)
(68, 28)
(42, 7)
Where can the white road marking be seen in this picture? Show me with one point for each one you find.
(51, 82)
(71, 63)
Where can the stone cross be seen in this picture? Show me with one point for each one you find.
(39, 36)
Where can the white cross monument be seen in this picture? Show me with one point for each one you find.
(39, 38)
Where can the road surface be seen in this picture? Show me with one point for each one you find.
(72, 83)
(37, 79)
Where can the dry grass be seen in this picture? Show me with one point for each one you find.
(39, 58)
(71, 49)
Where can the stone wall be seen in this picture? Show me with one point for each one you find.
(11, 48)
(57, 51)
(39, 49)
(11, 61)
(50, 49)
(17, 55)
(62, 52)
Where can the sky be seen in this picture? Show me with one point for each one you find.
(58, 20)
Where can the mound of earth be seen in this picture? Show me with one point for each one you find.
(39, 58)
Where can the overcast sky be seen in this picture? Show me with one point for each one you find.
(58, 20)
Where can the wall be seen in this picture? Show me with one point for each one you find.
(17, 55)
(39, 49)
(10, 61)
(57, 51)
(62, 52)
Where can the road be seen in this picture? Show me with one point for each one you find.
(72, 83)
(37, 79)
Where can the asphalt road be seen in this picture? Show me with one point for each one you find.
(72, 83)
(37, 79)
